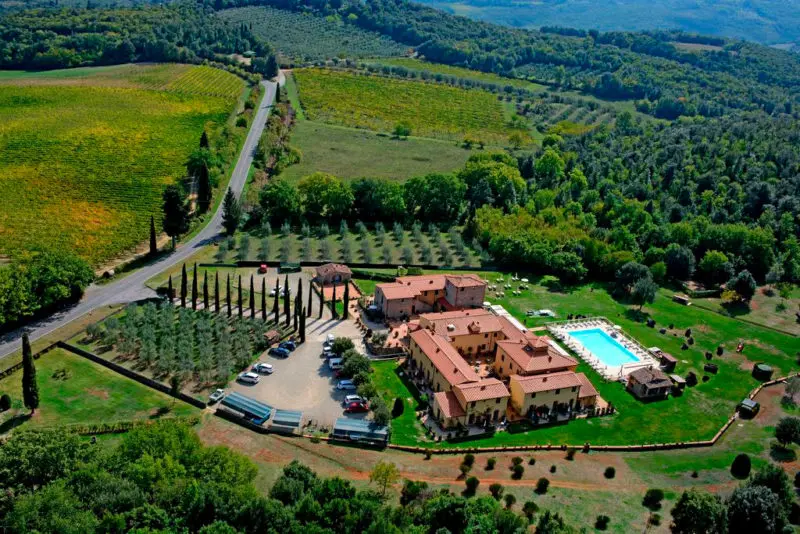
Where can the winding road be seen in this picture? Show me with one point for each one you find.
(132, 287)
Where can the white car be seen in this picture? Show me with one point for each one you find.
(217, 396)
(353, 398)
(329, 338)
(249, 378)
(273, 291)
(335, 364)
(263, 368)
(346, 385)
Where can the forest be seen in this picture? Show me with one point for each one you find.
(40, 39)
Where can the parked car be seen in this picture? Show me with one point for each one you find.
(288, 345)
(334, 364)
(217, 396)
(329, 338)
(356, 407)
(263, 368)
(327, 353)
(249, 377)
(353, 398)
(262, 269)
(274, 290)
(346, 385)
(280, 352)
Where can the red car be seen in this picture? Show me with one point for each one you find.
(262, 268)
(356, 407)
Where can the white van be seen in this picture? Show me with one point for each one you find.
(335, 364)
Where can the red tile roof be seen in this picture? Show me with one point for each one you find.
(449, 405)
(465, 280)
(548, 382)
(444, 357)
(411, 286)
(394, 291)
(536, 355)
(329, 268)
(488, 388)
(587, 389)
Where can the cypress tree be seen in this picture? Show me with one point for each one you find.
(228, 294)
(286, 300)
(205, 290)
(153, 244)
(310, 295)
(184, 286)
(216, 292)
(296, 310)
(252, 299)
(30, 389)
(204, 140)
(346, 313)
(303, 326)
(276, 309)
(203, 189)
(333, 303)
(169, 289)
(239, 291)
(194, 287)
(264, 299)
(321, 300)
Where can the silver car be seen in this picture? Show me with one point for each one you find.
(249, 378)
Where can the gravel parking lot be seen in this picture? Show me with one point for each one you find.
(303, 381)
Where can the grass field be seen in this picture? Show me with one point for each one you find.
(85, 154)
(349, 153)
(379, 104)
(458, 72)
(75, 390)
(302, 37)
(697, 414)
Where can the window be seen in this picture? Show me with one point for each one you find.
(472, 404)
(558, 391)
(533, 395)
(502, 357)
(575, 388)
(486, 336)
(497, 400)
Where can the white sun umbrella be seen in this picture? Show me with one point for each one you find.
(524, 280)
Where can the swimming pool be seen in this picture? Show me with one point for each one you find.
(604, 347)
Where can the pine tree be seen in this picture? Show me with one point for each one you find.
(184, 286)
(194, 287)
(169, 289)
(239, 293)
(216, 292)
(252, 299)
(30, 388)
(276, 309)
(286, 300)
(153, 243)
(228, 295)
(231, 212)
(264, 299)
(176, 213)
(205, 290)
(346, 312)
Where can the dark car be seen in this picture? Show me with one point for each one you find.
(280, 352)
(288, 345)
(356, 407)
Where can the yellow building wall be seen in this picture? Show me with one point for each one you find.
(437, 381)
(483, 407)
(522, 401)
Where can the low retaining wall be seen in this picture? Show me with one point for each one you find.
(17, 366)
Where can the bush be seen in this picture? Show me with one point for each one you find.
(552, 469)
(529, 509)
(496, 490)
(516, 460)
(541, 486)
(652, 499)
(740, 468)
(509, 500)
(5, 402)
(601, 523)
(571, 454)
(654, 520)
(490, 463)
(532, 461)
(342, 345)
(469, 459)
(610, 472)
(797, 480)
(398, 408)
(465, 469)
(472, 484)
(517, 472)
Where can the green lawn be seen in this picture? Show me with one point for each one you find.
(349, 153)
(387, 378)
(75, 390)
(697, 414)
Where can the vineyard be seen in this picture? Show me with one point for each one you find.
(306, 37)
(379, 104)
(458, 72)
(84, 159)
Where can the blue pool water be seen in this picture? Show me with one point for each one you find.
(604, 347)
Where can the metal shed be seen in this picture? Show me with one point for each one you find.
(286, 421)
(360, 430)
(251, 409)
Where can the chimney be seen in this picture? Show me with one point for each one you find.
(544, 380)
(455, 371)
(483, 388)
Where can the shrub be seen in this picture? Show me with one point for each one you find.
(571, 454)
(516, 460)
(428, 455)
(719, 350)
(509, 500)
(654, 520)
(541, 486)
(5, 402)
(740, 468)
(517, 472)
(797, 480)
(490, 463)
(469, 459)
(610, 472)
(464, 468)
(496, 490)
(472, 484)
(652, 498)
(601, 523)
(529, 509)
(552, 469)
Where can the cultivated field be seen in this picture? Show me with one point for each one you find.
(379, 104)
(306, 37)
(85, 154)
(349, 153)
(458, 72)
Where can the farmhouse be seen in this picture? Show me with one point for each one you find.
(412, 295)
(332, 273)
(649, 383)
(444, 352)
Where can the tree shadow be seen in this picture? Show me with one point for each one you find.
(636, 315)
(737, 309)
(782, 454)
(14, 422)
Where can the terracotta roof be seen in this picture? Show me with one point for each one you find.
(444, 357)
(536, 356)
(488, 388)
(587, 389)
(465, 280)
(393, 291)
(449, 405)
(548, 382)
(337, 268)
(423, 283)
(457, 314)
(466, 322)
(651, 377)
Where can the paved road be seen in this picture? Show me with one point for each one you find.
(132, 287)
